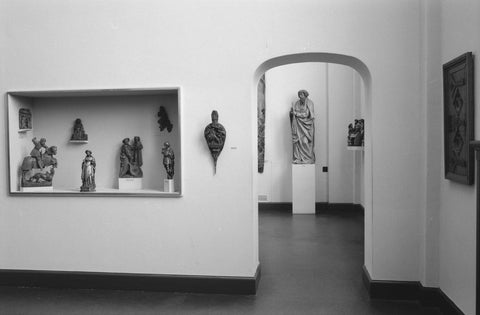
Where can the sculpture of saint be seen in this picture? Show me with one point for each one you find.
(88, 172)
(129, 167)
(302, 120)
(215, 135)
(168, 160)
(39, 149)
(78, 131)
(137, 151)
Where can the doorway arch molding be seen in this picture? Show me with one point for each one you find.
(364, 73)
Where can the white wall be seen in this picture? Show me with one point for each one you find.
(459, 21)
(209, 50)
(432, 93)
(341, 109)
(331, 88)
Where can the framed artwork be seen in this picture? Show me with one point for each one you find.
(458, 119)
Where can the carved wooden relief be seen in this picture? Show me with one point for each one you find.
(458, 118)
(261, 123)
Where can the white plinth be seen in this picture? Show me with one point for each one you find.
(303, 188)
(37, 189)
(168, 185)
(130, 183)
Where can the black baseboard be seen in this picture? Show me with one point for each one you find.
(128, 281)
(410, 290)
(335, 208)
(275, 206)
(320, 207)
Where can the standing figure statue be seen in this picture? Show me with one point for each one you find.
(215, 135)
(137, 151)
(88, 172)
(129, 166)
(168, 160)
(302, 120)
(39, 149)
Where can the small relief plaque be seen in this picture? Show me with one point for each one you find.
(25, 119)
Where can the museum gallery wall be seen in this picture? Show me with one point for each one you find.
(127, 45)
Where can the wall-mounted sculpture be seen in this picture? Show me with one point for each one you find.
(261, 123)
(38, 168)
(356, 133)
(164, 121)
(168, 160)
(88, 172)
(78, 131)
(24, 118)
(131, 158)
(215, 135)
(302, 120)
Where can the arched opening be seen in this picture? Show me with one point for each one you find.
(365, 75)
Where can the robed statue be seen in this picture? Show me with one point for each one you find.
(88, 172)
(168, 160)
(302, 120)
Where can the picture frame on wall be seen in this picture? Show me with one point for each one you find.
(458, 111)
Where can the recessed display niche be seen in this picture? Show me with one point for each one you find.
(109, 116)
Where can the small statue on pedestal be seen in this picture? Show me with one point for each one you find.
(356, 133)
(38, 168)
(131, 158)
(88, 172)
(215, 135)
(78, 131)
(168, 160)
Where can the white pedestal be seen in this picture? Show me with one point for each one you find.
(303, 188)
(130, 183)
(37, 189)
(168, 185)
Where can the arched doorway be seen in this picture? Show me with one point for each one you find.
(364, 73)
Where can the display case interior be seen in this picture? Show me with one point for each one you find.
(108, 117)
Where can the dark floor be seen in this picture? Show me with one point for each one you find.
(310, 265)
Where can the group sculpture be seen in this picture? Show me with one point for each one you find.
(356, 133)
(38, 168)
(131, 158)
(215, 135)
(302, 120)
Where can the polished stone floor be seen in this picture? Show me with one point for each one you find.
(311, 264)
